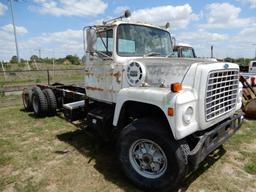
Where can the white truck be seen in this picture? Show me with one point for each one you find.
(252, 66)
(183, 50)
(166, 113)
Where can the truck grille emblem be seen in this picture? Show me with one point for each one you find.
(226, 66)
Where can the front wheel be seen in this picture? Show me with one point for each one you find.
(149, 155)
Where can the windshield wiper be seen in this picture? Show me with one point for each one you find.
(171, 55)
(151, 54)
(103, 55)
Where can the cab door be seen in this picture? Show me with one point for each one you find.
(99, 70)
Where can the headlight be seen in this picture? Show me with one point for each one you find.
(240, 93)
(187, 115)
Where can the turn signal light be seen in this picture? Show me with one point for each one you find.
(176, 87)
(170, 111)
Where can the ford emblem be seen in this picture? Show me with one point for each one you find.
(226, 66)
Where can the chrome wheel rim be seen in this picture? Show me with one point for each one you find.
(148, 158)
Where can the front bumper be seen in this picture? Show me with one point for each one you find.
(212, 139)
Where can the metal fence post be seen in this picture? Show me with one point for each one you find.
(2, 64)
(48, 77)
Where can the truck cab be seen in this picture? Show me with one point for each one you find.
(116, 46)
(252, 66)
(184, 50)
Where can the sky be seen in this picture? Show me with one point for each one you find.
(55, 26)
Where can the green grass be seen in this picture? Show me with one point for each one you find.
(4, 160)
(51, 154)
(250, 167)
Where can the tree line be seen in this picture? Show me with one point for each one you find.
(240, 61)
(69, 59)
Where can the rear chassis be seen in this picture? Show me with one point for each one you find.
(71, 100)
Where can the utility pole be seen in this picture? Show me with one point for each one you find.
(255, 49)
(14, 30)
(211, 51)
(39, 53)
(53, 64)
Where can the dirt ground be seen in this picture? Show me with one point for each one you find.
(51, 154)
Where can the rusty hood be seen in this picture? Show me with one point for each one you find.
(167, 70)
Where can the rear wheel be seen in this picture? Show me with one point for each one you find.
(27, 99)
(39, 102)
(51, 100)
(150, 157)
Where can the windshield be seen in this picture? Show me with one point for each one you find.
(136, 40)
(186, 52)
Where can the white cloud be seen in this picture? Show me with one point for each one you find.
(178, 16)
(202, 40)
(56, 44)
(225, 15)
(246, 36)
(238, 45)
(251, 3)
(68, 35)
(3, 8)
(70, 7)
(202, 36)
(120, 9)
(19, 29)
(7, 45)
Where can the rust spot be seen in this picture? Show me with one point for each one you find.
(94, 88)
(117, 75)
(89, 74)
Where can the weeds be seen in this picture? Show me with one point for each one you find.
(51, 154)
(250, 167)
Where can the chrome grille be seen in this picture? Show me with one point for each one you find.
(221, 93)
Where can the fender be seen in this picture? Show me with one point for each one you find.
(162, 98)
(159, 97)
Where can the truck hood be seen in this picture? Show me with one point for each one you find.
(167, 70)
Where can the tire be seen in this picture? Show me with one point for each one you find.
(27, 99)
(171, 167)
(51, 100)
(39, 102)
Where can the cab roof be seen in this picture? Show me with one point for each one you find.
(116, 23)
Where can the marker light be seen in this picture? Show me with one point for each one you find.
(176, 87)
(170, 111)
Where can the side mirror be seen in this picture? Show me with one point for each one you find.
(91, 38)
(84, 59)
(167, 25)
